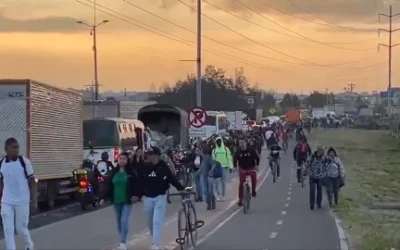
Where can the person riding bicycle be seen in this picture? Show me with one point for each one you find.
(299, 133)
(271, 139)
(274, 156)
(301, 153)
(247, 161)
(285, 137)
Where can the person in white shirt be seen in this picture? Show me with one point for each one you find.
(18, 187)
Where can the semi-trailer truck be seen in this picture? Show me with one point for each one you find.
(47, 122)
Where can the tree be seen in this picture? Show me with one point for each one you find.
(290, 101)
(219, 92)
(360, 103)
(317, 99)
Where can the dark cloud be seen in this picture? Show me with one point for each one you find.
(46, 24)
(337, 11)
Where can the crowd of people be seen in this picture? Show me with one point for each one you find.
(147, 176)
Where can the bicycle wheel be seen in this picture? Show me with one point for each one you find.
(192, 222)
(246, 197)
(183, 229)
(273, 171)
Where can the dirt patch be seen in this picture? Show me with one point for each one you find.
(369, 200)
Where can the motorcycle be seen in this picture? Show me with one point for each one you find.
(86, 195)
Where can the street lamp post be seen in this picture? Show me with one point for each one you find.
(93, 33)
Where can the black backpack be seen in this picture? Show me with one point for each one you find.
(21, 161)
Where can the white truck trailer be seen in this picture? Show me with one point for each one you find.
(47, 122)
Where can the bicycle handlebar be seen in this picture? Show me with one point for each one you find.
(183, 194)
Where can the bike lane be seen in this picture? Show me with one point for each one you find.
(279, 218)
(97, 229)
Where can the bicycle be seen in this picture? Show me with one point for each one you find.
(284, 146)
(274, 168)
(246, 194)
(302, 174)
(187, 216)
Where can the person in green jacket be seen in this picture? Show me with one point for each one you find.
(223, 155)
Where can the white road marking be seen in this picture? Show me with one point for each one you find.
(290, 188)
(288, 198)
(230, 216)
(342, 234)
(287, 204)
(280, 222)
(283, 213)
(289, 193)
(273, 235)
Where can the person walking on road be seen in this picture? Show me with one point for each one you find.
(19, 194)
(316, 169)
(335, 176)
(155, 178)
(223, 155)
(208, 183)
(123, 190)
(247, 161)
(197, 174)
(301, 153)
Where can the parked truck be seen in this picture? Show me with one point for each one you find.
(47, 122)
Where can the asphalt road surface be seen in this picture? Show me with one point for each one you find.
(279, 218)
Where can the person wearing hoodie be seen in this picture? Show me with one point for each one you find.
(316, 170)
(335, 176)
(155, 179)
(223, 155)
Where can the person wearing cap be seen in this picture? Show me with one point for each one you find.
(223, 155)
(155, 177)
(317, 171)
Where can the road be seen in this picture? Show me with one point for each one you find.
(279, 218)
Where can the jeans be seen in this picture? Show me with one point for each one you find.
(122, 213)
(154, 208)
(220, 184)
(16, 216)
(198, 183)
(242, 179)
(210, 198)
(315, 186)
(332, 188)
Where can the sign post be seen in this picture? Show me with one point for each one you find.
(197, 117)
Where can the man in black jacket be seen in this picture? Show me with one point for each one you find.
(300, 154)
(155, 178)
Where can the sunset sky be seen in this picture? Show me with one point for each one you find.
(40, 39)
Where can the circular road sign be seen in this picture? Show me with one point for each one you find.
(197, 117)
(272, 111)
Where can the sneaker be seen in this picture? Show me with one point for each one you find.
(122, 246)
(218, 198)
(223, 198)
(153, 246)
(240, 203)
(254, 194)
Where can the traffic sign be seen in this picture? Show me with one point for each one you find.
(272, 111)
(197, 117)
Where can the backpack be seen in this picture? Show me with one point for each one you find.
(21, 161)
(217, 173)
(303, 147)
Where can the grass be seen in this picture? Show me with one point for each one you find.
(372, 165)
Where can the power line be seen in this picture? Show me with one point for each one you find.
(317, 17)
(175, 38)
(184, 41)
(219, 42)
(263, 45)
(297, 33)
(311, 21)
(389, 46)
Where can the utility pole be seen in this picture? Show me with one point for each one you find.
(198, 59)
(389, 46)
(93, 29)
(351, 87)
